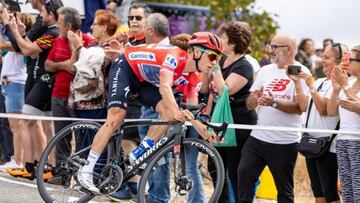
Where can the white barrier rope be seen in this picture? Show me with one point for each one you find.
(235, 126)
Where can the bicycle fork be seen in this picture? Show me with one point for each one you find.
(183, 183)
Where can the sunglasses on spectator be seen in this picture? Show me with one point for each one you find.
(212, 55)
(274, 46)
(353, 59)
(138, 18)
(340, 50)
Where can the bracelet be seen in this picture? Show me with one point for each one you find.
(216, 69)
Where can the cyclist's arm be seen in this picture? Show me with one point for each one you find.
(165, 88)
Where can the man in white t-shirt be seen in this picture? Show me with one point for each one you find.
(281, 98)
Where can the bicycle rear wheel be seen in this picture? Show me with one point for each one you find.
(208, 155)
(71, 147)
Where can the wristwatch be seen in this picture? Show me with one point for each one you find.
(274, 104)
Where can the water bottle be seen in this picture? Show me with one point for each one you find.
(146, 144)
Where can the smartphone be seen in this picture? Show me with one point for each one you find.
(294, 69)
(3, 3)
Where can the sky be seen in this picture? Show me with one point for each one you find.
(317, 19)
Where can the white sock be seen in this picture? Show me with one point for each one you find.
(92, 158)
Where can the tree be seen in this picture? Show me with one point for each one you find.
(262, 23)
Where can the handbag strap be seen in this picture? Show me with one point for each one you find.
(335, 134)
(311, 104)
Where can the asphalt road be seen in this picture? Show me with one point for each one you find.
(20, 190)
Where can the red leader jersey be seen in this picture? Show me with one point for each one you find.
(149, 61)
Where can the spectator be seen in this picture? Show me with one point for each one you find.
(38, 87)
(86, 104)
(305, 51)
(138, 13)
(121, 9)
(327, 42)
(281, 98)
(8, 146)
(345, 102)
(13, 76)
(237, 73)
(323, 171)
(60, 62)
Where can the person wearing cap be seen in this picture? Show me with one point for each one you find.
(156, 90)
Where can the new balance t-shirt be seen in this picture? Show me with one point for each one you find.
(273, 79)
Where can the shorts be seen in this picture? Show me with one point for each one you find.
(14, 97)
(37, 97)
(123, 82)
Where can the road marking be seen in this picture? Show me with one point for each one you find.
(17, 182)
(71, 199)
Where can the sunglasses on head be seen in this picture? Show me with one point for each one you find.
(340, 50)
(138, 18)
(212, 55)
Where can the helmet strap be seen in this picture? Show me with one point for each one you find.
(197, 60)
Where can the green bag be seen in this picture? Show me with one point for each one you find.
(221, 113)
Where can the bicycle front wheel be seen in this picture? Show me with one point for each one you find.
(195, 182)
(64, 154)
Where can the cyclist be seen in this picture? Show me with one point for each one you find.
(151, 70)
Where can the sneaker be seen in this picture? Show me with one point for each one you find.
(47, 175)
(127, 191)
(10, 164)
(17, 172)
(86, 181)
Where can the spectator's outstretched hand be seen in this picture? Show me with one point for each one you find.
(340, 76)
(21, 26)
(114, 50)
(122, 37)
(5, 16)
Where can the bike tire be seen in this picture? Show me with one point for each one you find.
(200, 145)
(47, 191)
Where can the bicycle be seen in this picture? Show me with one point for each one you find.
(114, 168)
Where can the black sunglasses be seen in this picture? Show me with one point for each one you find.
(340, 50)
(138, 18)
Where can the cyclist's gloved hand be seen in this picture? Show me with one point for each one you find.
(183, 115)
(203, 131)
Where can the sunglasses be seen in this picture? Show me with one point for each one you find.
(353, 59)
(138, 18)
(340, 50)
(212, 55)
(274, 46)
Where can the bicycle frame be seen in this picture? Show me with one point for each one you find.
(176, 132)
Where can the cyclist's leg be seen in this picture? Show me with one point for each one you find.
(159, 179)
(119, 85)
(191, 153)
